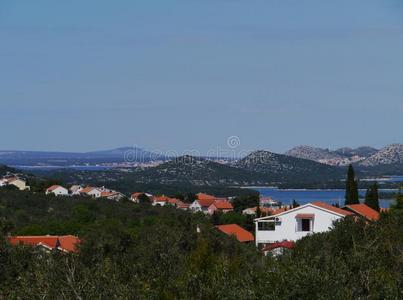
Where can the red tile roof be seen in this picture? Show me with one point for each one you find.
(136, 195)
(108, 194)
(283, 244)
(65, 243)
(222, 204)
(202, 196)
(173, 201)
(87, 189)
(53, 187)
(332, 208)
(161, 199)
(241, 234)
(364, 211)
(205, 202)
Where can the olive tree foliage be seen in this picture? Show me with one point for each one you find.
(130, 251)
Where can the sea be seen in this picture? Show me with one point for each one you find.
(302, 196)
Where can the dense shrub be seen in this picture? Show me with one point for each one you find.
(134, 251)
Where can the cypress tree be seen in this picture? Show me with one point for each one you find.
(352, 196)
(372, 197)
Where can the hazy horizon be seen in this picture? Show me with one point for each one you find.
(216, 149)
(177, 75)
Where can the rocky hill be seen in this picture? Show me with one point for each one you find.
(392, 154)
(282, 168)
(198, 171)
(339, 157)
(312, 153)
(363, 151)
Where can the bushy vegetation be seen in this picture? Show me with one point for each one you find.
(131, 251)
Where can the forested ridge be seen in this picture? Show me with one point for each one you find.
(136, 251)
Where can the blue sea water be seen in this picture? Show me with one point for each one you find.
(306, 196)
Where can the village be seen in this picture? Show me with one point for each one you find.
(276, 226)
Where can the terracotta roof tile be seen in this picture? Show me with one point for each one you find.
(222, 204)
(241, 234)
(364, 211)
(53, 187)
(283, 244)
(202, 196)
(67, 243)
(206, 202)
(87, 189)
(332, 208)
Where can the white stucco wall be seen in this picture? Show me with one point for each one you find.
(290, 229)
(60, 191)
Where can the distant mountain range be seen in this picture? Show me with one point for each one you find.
(389, 155)
(300, 165)
(119, 155)
(361, 157)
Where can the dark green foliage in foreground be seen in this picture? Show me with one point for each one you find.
(139, 252)
(352, 196)
(372, 197)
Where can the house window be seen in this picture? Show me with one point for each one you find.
(266, 226)
(306, 224)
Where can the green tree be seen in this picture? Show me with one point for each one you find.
(143, 198)
(372, 197)
(352, 196)
(399, 202)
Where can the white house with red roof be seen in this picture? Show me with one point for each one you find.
(57, 190)
(201, 205)
(223, 206)
(160, 200)
(296, 223)
(92, 191)
(112, 195)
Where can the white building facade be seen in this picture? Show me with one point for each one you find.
(57, 190)
(297, 223)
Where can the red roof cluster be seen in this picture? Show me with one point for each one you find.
(66, 243)
(241, 234)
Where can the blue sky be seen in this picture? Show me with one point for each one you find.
(178, 75)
